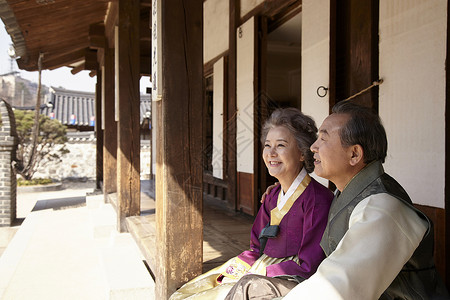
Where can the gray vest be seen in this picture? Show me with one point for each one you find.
(418, 279)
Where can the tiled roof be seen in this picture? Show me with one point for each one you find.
(74, 108)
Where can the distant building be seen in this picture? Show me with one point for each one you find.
(76, 110)
(18, 91)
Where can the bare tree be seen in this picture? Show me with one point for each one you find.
(38, 137)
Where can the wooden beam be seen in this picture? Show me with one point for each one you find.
(99, 131)
(230, 129)
(97, 38)
(90, 60)
(72, 57)
(97, 30)
(97, 42)
(110, 22)
(446, 236)
(270, 9)
(179, 223)
(110, 125)
(145, 32)
(146, 3)
(92, 66)
(145, 65)
(127, 74)
(77, 69)
(66, 59)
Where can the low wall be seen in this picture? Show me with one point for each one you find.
(8, 142)
(80, 162)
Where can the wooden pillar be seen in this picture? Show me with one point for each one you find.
(356, 46)
(231, 167)
(110, 125)
(127, 76)
(179, 224)
(98, 129)
(446, 235)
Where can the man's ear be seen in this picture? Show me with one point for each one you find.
(357, 155)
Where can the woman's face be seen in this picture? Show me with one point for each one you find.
(282, 156)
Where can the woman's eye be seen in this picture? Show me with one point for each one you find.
(281, 145)
(266, 146)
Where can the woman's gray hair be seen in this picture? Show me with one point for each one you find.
(302, 127)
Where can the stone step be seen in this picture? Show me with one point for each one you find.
(13, 253)
(142, 229)
(73, 253)
(126, 274)
(102, 216)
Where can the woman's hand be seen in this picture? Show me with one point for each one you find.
(267, 192)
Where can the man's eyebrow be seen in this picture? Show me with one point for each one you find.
(323, 131)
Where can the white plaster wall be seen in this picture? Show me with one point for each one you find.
(154, 134)
(248, 5)
(218, 87)
(315, 60)
(412, 97)
(245, 96)
(215, 28)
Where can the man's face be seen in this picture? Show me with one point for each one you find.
(331, 160)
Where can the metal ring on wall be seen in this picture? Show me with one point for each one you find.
(324, 93)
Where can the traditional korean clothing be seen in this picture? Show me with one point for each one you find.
(293, 223)
(378, 246)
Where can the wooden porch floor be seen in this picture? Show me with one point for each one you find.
(225, 233)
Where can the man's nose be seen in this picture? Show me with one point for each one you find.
(313, 147)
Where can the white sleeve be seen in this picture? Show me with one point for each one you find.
(382, 236)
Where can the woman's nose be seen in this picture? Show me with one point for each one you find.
(272, 151)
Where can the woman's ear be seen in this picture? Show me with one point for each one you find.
(357, 155)
(302, 157)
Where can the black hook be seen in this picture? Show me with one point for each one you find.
(325, 89)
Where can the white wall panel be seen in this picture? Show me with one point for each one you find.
(248, 5)
(218, 88)
(245, 96)
(215, 28)
(315, 59)
(412, 97)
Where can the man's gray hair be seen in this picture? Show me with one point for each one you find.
(364, 128)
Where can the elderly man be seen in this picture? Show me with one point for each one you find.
(378, 245)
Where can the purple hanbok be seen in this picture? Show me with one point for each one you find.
(300, 232)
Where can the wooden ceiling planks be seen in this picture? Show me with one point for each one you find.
(55, 28)
(60, 29)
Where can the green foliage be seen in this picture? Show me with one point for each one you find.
(36, 181)
(50, 143)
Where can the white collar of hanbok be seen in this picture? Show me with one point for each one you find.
(294, 185)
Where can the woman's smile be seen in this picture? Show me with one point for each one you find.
(282, 156)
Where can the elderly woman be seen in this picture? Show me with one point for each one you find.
(287, 231)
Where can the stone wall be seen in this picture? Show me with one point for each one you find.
(80, 162)
(8, 141)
